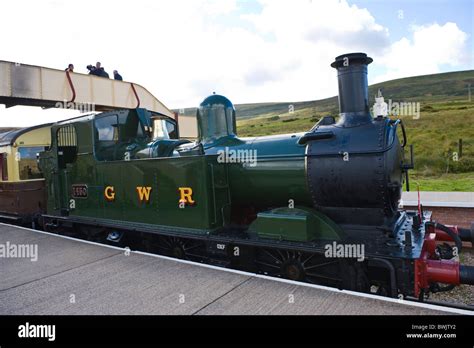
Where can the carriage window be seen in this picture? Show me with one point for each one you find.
(28, 163)
(3, 167)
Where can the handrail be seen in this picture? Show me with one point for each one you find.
(72, 87)
(136, 95)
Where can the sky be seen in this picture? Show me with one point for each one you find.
(248, 50)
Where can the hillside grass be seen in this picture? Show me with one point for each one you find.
(463, 182)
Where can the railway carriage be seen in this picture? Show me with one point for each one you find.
(22, 185)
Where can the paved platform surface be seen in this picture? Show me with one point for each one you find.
(74, 278)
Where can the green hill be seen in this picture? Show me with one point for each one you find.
(446, 116)
(428, 88)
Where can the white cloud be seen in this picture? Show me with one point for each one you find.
(319, 22)
(430, 47)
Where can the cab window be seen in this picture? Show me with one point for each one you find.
(130, 127)
(164, 129)
(107, 128)
(106, 137)
(118, 135)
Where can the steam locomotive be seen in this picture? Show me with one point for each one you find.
(320, 207)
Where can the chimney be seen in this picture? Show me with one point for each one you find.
(353, 88)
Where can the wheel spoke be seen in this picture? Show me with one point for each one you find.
(272, 256)
(192, 247)
(320, 265)
(309, 258)
(281, 255)
(268, 265)
(165, 241)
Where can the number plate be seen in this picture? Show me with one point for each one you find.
(79, 191)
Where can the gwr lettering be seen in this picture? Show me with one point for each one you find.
(144, 194)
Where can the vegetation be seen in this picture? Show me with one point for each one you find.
(463, 182)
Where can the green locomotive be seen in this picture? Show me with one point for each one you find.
(321, 206)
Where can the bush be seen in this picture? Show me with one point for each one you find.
(464, 165)
(426, 108)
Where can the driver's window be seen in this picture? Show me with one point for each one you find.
(164, 129)
(130, 128)
(107, 128)
(172, 129)
(106, 137)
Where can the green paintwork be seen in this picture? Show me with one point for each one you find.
(132, 159)
(278, 176)
(165, 176)
(293, 224)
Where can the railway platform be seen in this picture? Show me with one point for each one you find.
(46, 274)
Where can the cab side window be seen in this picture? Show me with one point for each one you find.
(118, 136)
(172, 130)
(106, 137)
(107, 128)
(164, 129)
(130, 127)
(66, 138)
